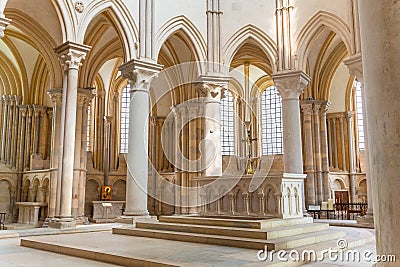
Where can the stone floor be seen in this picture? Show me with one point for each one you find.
(175, 253)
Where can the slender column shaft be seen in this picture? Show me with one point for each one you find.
(137, 158)
(342, 142)
(324, 152)
(4, 127)
(308, 153)
(317, 152)
(335, 148)
(350, 131)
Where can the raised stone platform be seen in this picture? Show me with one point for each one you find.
(198, 241)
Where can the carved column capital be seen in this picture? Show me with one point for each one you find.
(37, 110)
(23, 110)
(355, 66)
(306, 107)
(85, 96)
(140, 74)
(349, 115)
(72, 54)
(291, 84)
(4, 22)
(212, 86)
(55, 96)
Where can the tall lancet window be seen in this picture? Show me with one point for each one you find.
(360, 117)
(227, 125)
(271, 121)
(125, 102)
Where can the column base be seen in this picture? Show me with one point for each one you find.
(62, 223)
(367, 221)
(127, 219)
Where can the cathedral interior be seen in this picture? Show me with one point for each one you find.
(166, 114)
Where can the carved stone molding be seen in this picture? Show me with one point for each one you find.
(71, 54)
(140, 73)
(291, 84)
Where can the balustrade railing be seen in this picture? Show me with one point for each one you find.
(341, 211)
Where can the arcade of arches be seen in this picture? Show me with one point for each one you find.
(160, 100)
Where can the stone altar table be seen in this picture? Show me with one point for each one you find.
(100, 212)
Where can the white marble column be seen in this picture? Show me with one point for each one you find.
(140, 75)
(380, 40)
(71, 56)
(211, 90)
(290, 85)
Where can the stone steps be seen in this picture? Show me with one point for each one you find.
(271, 233)
(237, 223)
(232, 241)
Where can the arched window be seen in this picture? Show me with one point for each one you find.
(125, 101)
(271, 121)
(227, 125)
(360, 117)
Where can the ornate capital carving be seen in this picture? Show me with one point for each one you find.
(23, 110)
(140, 73)
(212, 86)
(71, 54)
(4, 22)
(85, 96)
(291, 84)
(355, 66)
(306, 107)
(349, 115)
(55, 96)
(37, 110)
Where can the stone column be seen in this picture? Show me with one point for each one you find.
(307, 107)
(324, 151)
(290, 85)
(140, 75)
(211, 90)
(342, 142)
(71, 55)
(20, 166)
(37, 110)
(10, 120)
(55, 190)
(27, 155)
(83, 155)
(4, 127)
(380, 42)
(352, 169)
(335, 148)
(14, 144)
(354, 63)
(43, 133)
(317, 151)
(81, 99)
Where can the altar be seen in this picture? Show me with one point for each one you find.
(107, 211)
(29, 212)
